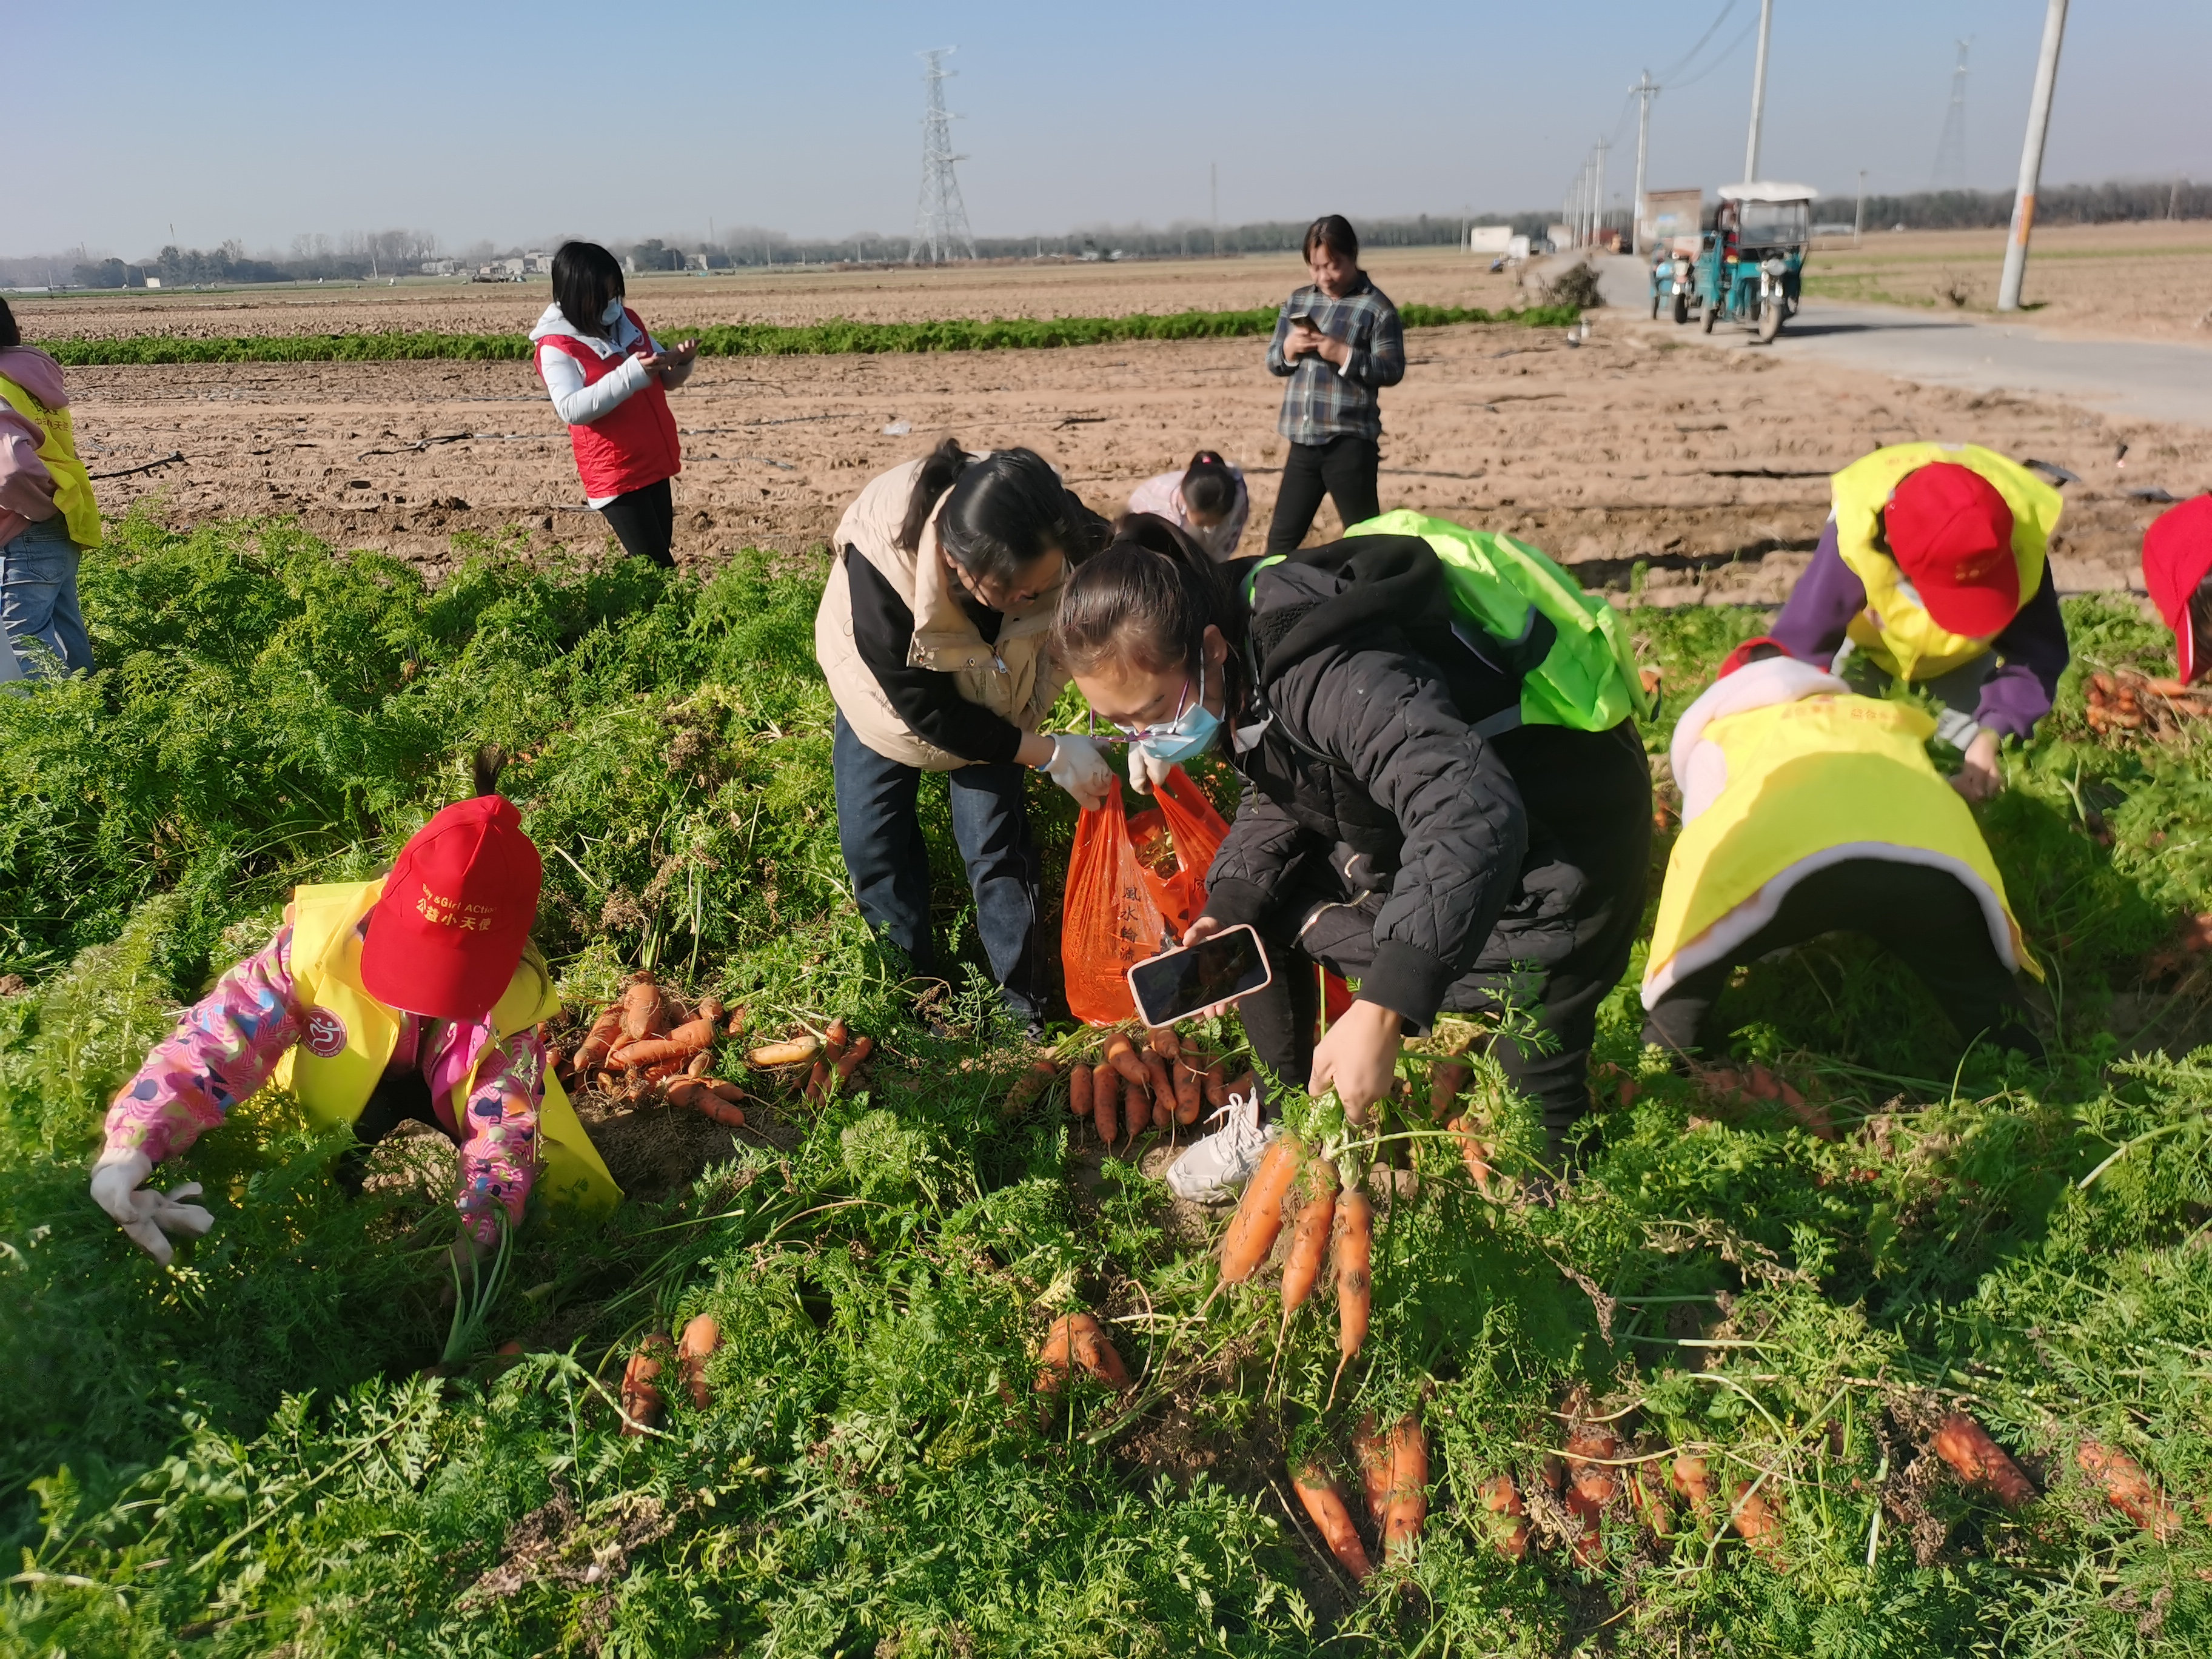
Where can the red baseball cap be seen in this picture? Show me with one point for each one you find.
(1950, 533)
(2176, 559)
(1744, 654)
(445, 939)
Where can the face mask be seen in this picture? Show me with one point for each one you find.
(613, 314)
(1191, 733)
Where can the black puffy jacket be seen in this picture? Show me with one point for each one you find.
(1370, 757)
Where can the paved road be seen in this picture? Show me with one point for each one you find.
(2147, 379)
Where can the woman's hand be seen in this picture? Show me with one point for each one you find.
(1980, 777)
(1358, 1059)
(1305, 337)
(1077, 765)
(673, 357)
(146, 1217)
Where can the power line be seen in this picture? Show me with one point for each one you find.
(1690, 56)
(1727, 52)
(1950, 166)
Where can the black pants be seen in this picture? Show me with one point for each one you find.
(1927, 917)
(399, 1098)
(1563, 942)
(644, 522)
(1344, 467)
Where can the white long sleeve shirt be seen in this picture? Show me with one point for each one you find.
(579, 404)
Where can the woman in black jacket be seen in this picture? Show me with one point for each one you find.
(1399, 825)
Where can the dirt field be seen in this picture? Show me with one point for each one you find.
(1621, 450)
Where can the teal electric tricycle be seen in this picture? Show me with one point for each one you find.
(1750, 262)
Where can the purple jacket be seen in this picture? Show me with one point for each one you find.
(2031, 651)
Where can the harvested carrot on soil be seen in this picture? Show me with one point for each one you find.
(1105, 1103)
(701, 1336)
(1447, 1078)
(770, 1056)
(592, 1053)
(1758, 1522)
(834, 1040)
(640, 1008)
(1370, 1448)
(852, 1060)
(1351, 1249)
(1308, 1242)
(1407, 1507)
(1502, 1498)
(1475, 1152)
(1163, 1089)
(692, 1038)
(641, 1389)
(1647, 1496)
(1332, 1518)
(1259, 1215)
(1028, 1086)
(1216, 1084)
(818, 1084)
(1077, 1340)
(1591, 1485)
(1190, 1085)
(2127, 1489)
(736, 1026)
(1078, 1091)
(1121, 1055)
(1980, 1463)
(1692, 1481)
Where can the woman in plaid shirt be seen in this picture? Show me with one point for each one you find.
(1339, 341)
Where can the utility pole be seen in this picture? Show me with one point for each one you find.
(1597, 192)
(940, 220)
(2030, 157)
(1858, 219)
(1758, 91)
(1645, 89)
(1213, 202)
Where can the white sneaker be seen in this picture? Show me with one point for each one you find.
(1210, 1171)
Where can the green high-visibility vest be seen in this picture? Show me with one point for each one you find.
(1587, 679)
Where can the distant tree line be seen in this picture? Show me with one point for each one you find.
(2111, 202)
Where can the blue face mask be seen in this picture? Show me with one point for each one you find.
(1191, 733)
(613, 314)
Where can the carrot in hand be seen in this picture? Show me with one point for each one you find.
(1259, 1216)
(701, 1338)
(1352, 1249)
(1332, 1518)
(1980, 1463)
(1407, 1507)
(1446, 1078)
(1308, 1242)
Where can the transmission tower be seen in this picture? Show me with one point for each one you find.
(940, 223)
(1950, 172)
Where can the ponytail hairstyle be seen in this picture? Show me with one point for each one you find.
(1148, 599)
(1208, 485)
(1006, 511)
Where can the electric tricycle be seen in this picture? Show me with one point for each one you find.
(1750, 262)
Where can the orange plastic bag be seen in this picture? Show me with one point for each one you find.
(1134, 885)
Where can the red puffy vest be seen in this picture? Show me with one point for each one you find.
(633, 446)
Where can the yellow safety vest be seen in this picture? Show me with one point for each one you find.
(1895, 630)
(1804, 778)
(57, 449)
(350, 1037)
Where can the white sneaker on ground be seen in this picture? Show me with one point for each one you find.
(1210, 1171)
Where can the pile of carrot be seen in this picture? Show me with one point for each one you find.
(2123, 701)
(1986, 1468)
(1165, 1084)
(1394, 1471)
(642, 1398)
(1333, 1227)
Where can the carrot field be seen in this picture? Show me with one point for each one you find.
(259, 1449)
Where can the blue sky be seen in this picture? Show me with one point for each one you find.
(489, 119)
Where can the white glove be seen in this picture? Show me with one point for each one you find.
(1078, 767)
(146, 1214)
(1145, 771)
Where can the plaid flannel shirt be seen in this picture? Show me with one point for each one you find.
(1323, 401)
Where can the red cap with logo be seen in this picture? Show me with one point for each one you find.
(2176, 558)
(446, 936)
(1950, 533)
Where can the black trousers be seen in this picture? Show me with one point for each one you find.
(1927, 917)
(1344, 467)
(644, 522)
(399, 1098)
(1563, 942)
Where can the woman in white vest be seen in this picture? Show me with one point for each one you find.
(934, 634)
(416, 995)
(1807, 810)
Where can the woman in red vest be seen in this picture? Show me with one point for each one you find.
(609, 379)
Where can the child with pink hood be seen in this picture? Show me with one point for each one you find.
(47, 513)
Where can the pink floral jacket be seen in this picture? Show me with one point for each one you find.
(226, 1045)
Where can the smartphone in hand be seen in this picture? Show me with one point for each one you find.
(1220, 967)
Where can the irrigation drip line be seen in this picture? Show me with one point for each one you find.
(169, 460)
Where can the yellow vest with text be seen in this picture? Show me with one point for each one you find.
(1895, 630)
(1804, 777)
(57, 449)
(334, 1088)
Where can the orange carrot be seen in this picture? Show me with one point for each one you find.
(2127, 1489)
(1408, 1506)
(1163, 1088)
(1190, 1085)
(1758, 1523)
(770, 1056)
(1980, 1463)
(701, 1338)
(1474, 1152)
(1078, 1091)
(1332, 1518)
(1502, 1498)
(1028, 1086)
(1370, 1447)
(1647, 1496)
(640, 1008)
(834, 1039)
(1590, 1487)
(1105, 1097)
(640, 1392)
(1216, 1084)
(1121, 1055)
(1077, 1339)
(852, 1060)
(699, 1065)
(557, 1061)
(1259, 1216)
(1352, 1249)
(592, 1053)
(693, 1037)
(1166, 1042)
(737, 1025)
(1692, 1481)
(1446, 1078)
(723, 1090)
(818, 1084)
(1308, 1240)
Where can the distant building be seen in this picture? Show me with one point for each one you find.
(1668, 214)
(1492, 240)
(152, 281)
(439, 267)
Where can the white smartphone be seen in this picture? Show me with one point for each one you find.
(1178, 983)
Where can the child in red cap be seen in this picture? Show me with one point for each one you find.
(2177, 562)
(416, 995)
(1934, 569)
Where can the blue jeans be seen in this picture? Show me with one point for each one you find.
(879, 830)
(37, 599)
